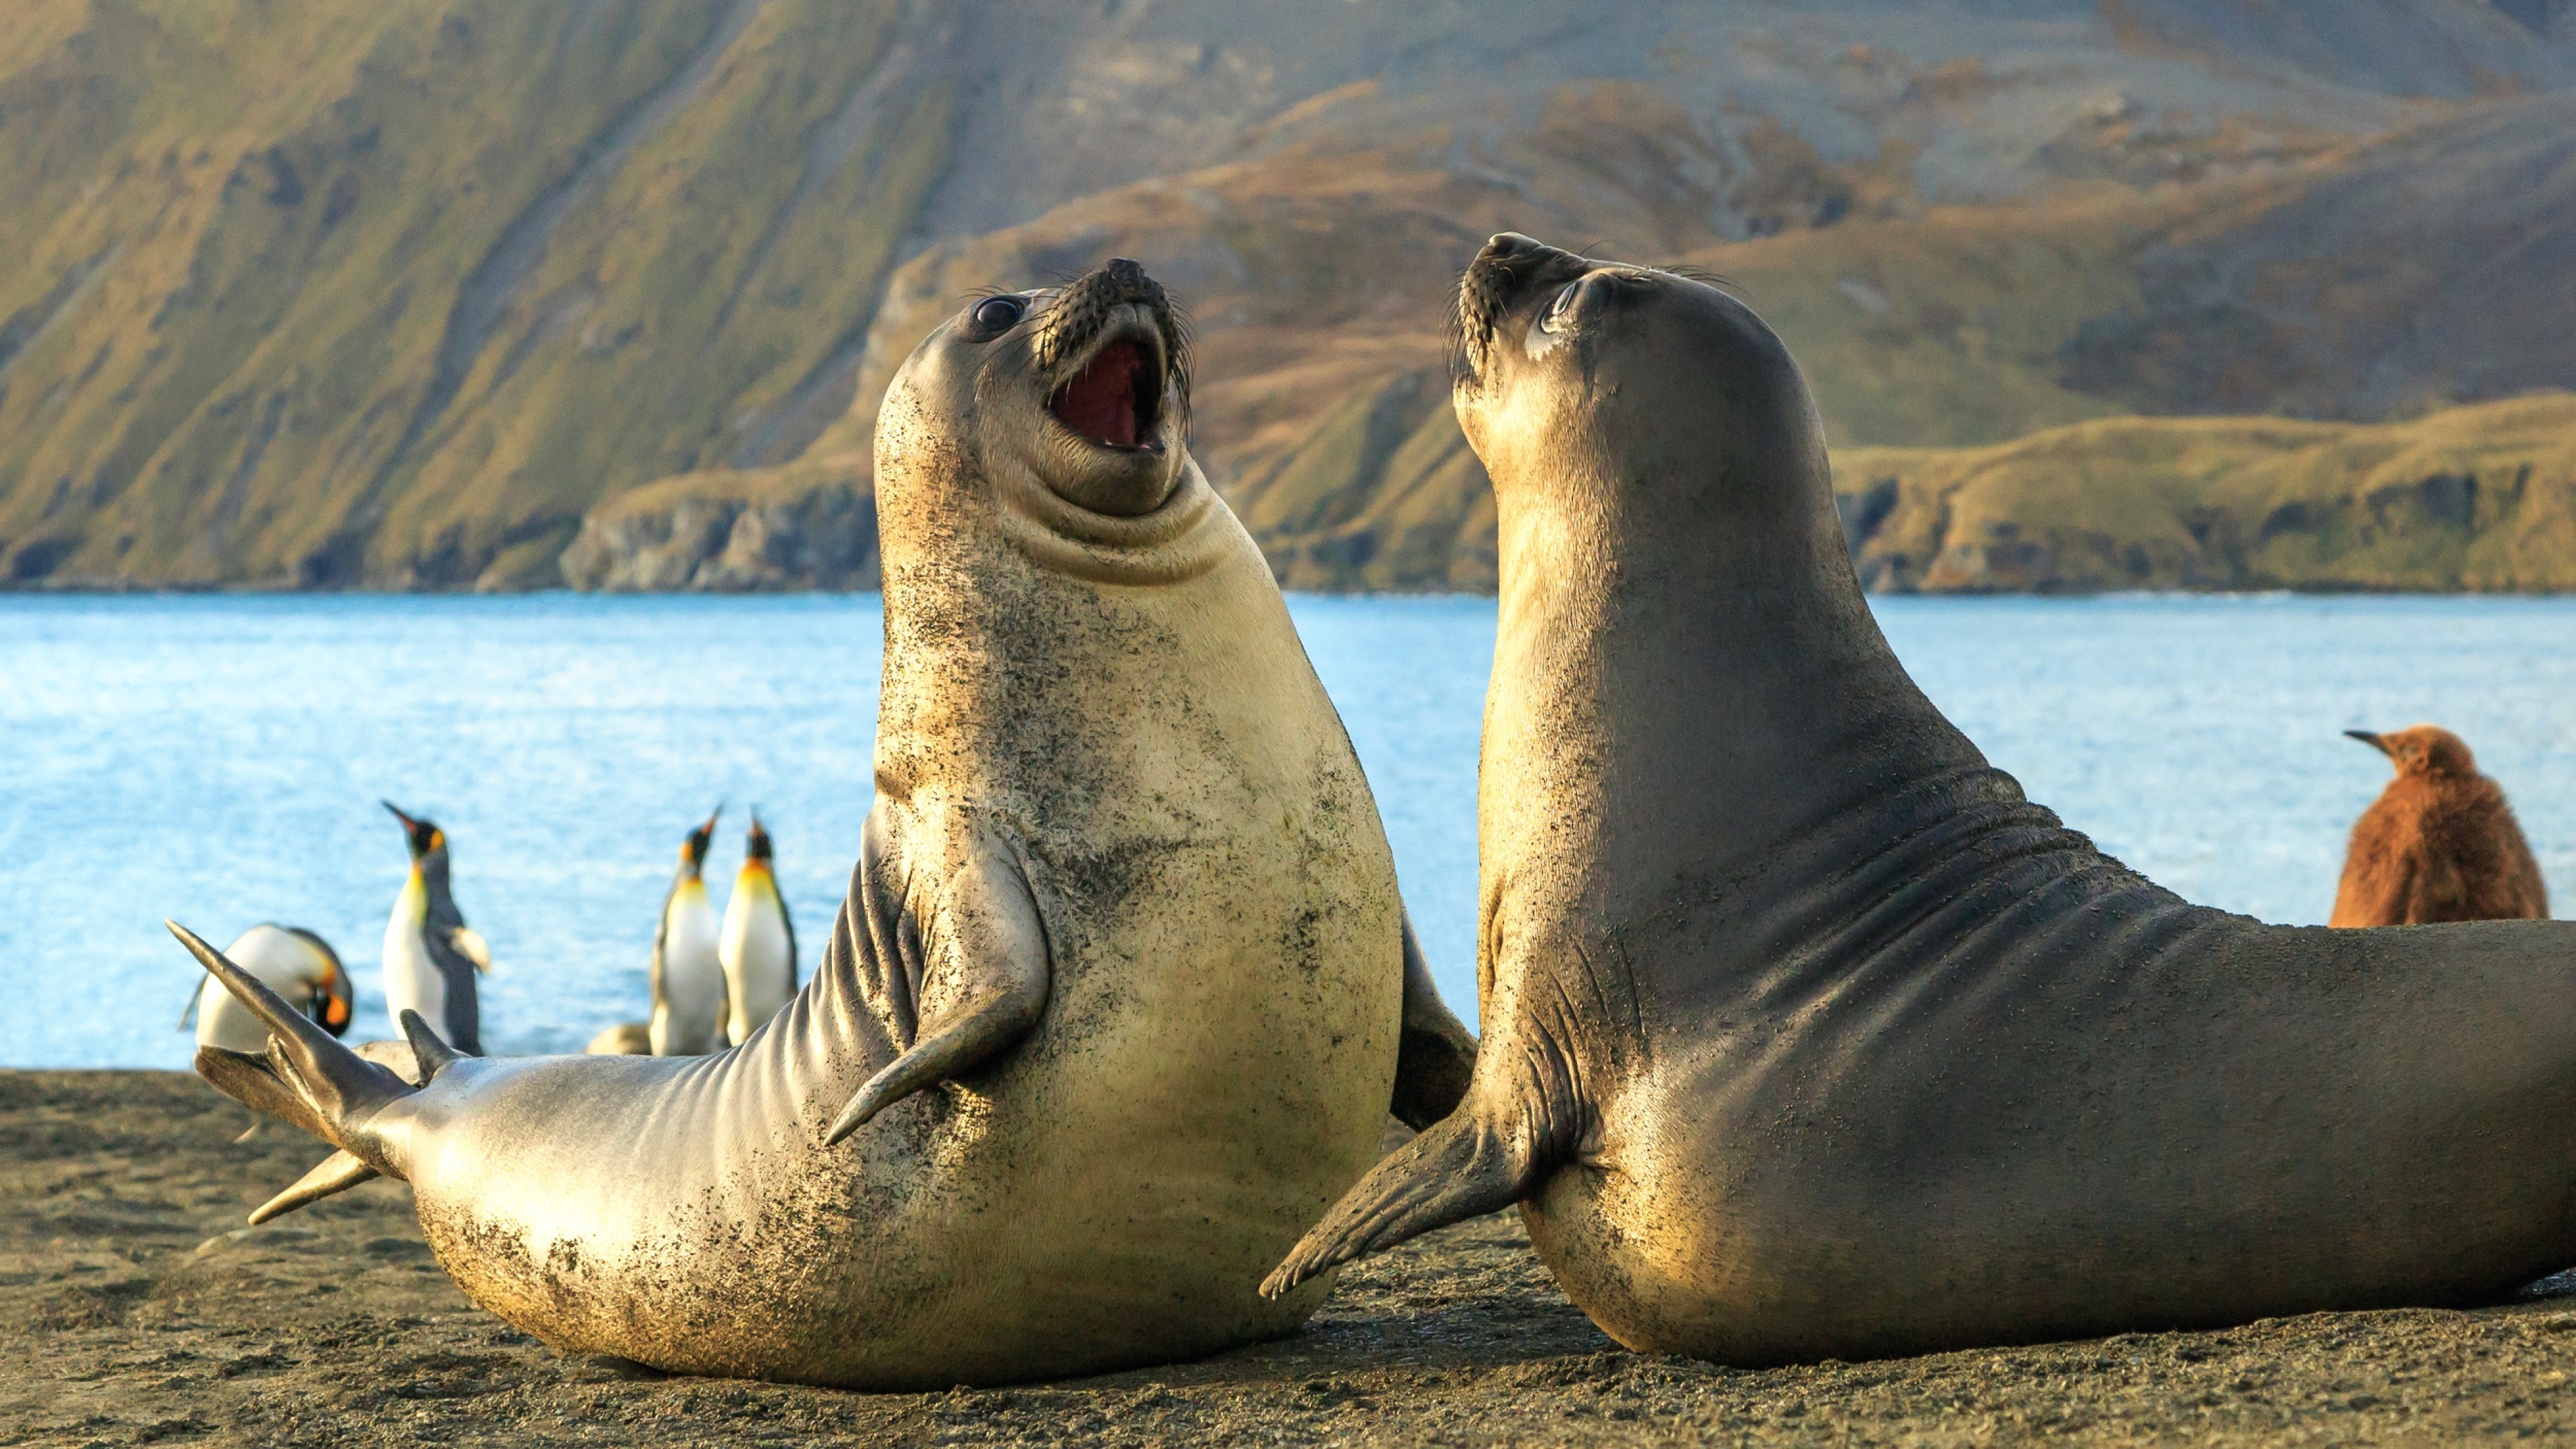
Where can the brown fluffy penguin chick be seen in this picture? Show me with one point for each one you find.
(2439, 844)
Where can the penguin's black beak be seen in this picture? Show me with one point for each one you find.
(695, 849)
(2370, 739)
(420, 836)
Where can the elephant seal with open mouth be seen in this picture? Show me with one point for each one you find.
(1118, 1000)
(1805, 1034)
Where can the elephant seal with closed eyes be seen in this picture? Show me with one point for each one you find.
(1116, 1005)
(1806, 1035)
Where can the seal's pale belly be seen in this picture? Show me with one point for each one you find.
(1213, 1067)
(1120, 997)
(971, 1224)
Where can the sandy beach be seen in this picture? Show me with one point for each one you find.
(135, 1309)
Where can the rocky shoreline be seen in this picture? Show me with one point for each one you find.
(134, 1308)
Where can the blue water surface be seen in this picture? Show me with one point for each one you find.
(218, 758)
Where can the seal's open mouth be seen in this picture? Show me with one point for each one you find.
(1116, 398)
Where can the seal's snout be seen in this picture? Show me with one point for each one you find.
(1505, 274)
(1510, 248)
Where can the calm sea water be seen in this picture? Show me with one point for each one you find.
(219, 759)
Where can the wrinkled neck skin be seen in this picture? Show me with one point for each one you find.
(1697, 743)
(977, 547)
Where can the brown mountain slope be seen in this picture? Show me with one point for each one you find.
(392, 295)
(331, 293)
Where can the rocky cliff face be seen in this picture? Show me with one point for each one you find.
(812, 527)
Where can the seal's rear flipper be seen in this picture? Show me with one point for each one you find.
(428, 1049)
(1436, 1055)
(306, 1078)
(339, 1172)
(1461, 1168)
(253, 1080)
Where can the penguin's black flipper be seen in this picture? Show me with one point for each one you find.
(339, 1172)
(307, 1078)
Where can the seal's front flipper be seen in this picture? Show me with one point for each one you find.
(1461, 1168)
(306, 1078)
(984, 983)
(339, 1172)
(1435, 1055)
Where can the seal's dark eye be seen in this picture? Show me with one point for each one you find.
(996, 315)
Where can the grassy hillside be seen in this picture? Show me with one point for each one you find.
(327, 293)
(398, 294)
(2473, 498)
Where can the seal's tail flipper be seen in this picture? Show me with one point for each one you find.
(339, 1172)
(428, 1048)
(1461, 1168)
(306, 1078)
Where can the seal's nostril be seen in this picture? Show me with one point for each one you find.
(1126, 272)
(1510, 243)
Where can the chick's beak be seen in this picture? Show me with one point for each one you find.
(2370, 739)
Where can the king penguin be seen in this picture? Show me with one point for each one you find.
(2439, 844)
(759, 946)
(289, 960)
(688, 978)
(430, 954)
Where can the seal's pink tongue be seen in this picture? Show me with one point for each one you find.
(1100, 402)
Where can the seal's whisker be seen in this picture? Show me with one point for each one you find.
(1707, 277)
(1458, 346)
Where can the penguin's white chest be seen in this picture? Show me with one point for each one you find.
(759, 959)
(691, 1007)
(412, 979)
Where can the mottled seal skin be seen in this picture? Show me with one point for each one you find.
(1113, 1007)
(1805, 1034)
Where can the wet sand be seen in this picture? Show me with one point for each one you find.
(134, 1309)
